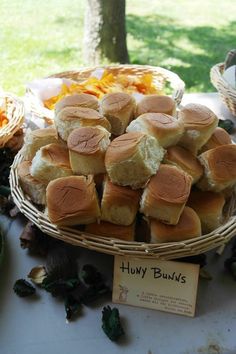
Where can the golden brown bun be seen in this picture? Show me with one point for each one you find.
(70, 118)
(199, 124)
(218, 138)
(106, 229)
(72, 201)
(165, 128)
(77, 100)
(35, 139)
(165, 196)
(132, 158)
(209, 207)
(156, 104)
(219, 168)
(16, 141)
(87, 147)
(119, 204)
(51, 162)
(118, 108)
(184, 159)
(35, 189)
(189, 226)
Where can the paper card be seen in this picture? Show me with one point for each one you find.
(161, 285)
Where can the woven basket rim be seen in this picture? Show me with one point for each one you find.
(216, 71)
(178, 84)
(170, 250)
(15, 117)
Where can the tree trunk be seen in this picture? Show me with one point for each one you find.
(105, 32)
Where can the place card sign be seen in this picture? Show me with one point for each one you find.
(161, 285)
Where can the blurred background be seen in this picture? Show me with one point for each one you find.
(39, 38)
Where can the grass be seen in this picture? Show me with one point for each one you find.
(39, 38)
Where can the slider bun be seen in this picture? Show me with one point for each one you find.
(77, 100)
(209, 207)
(132, 158)
(218, 138)
(35, 139)
(51, 162)
(156, 104)
(184, 159)
(72, 201)
(118, 108)
(188, 227)
(35, 189)
(166, 129)
(106, 229)
(219, 168)
(70, 118)
(199, 124)
(119, 204)
(87, 147)
(165, 195)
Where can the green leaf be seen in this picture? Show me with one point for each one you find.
(111, 324)
(23, 288)
(227, 125)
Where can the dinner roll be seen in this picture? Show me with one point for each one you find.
(119, 204)
(118, 108)
(132, 158)
(87, 147)
(189, 226)
(51, 162)
(199, 124)
(218, 138)
(106, 229)
(35, 189)
(70, 118)
(166, 129)
(35, 139)
(77, 100)
(184, 159)
(209, 207)
(72, 201)
(219, 168)
(156, 104)
(166, 193)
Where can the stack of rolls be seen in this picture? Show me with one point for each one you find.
(116, 166)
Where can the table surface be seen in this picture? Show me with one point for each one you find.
(35, 326)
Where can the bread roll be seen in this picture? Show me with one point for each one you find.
(156, 104)
(188, 227)
(87, 147)
(184, 159)
(199, 124)
(77, 100)
(209, 207)
(132, 158)
(35, 189)
(118, 108)
(119, 204)
(16, 142)
(106, 229)
(51, 162)
(70, 118)
(219, 168)
(72, 201)
(166, 194)
(166, 129)
(218, 138)
(35, 139)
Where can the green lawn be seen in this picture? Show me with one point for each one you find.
(39, 38)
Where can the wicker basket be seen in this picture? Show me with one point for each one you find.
(72, 235)
(15, 114)
(160, 76)
(227, 93)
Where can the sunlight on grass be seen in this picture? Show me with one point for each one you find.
(40, 38)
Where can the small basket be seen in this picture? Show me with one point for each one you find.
(170, 250)
(227, 93)
(15, 113)
(82, 74)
